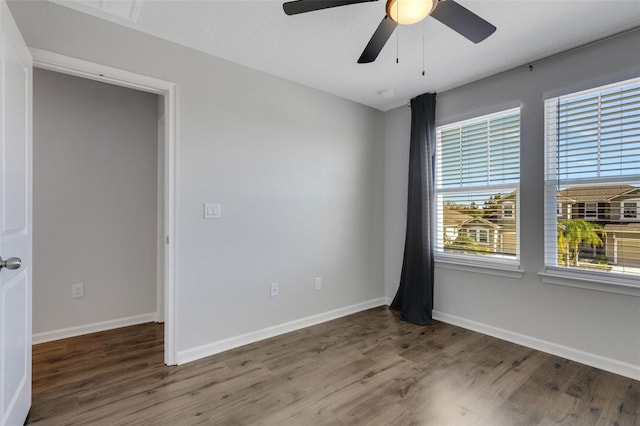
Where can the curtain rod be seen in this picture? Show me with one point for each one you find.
(582, 46)
(569, 51)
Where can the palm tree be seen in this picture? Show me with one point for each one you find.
(573, 232)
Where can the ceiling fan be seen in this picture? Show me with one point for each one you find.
(405, 12)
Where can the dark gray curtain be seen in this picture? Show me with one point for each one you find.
(414, 299)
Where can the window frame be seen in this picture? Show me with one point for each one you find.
(613, 282)
(492, 265)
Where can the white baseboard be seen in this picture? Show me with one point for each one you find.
(388, 300)
(597, 361)
(64, 333)
(213, 348)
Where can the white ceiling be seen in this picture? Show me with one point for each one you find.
(320, 49)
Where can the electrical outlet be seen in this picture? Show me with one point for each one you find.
(318, 283)
(77, 291)
(274, 289)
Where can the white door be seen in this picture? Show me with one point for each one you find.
(15, 222)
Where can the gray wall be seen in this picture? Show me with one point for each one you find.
(298, 172)
(94, 190)
(604, 326)
(312, 185)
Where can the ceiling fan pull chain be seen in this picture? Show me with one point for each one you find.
(423, 49)
(397, 34)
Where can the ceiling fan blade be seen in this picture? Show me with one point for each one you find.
(378, 40)
(462, 21)
(302, 6)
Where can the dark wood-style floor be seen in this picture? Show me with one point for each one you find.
(364, 369)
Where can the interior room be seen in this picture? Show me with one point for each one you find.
(235, 220)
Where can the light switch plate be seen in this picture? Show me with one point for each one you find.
(212, 211)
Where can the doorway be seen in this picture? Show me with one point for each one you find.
(163, 210)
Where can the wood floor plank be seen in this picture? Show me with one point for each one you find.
(368, 368)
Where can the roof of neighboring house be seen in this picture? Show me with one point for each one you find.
(595, 193)
(454, 217)
(631, 193)
(507, 197)
(480, 221)
(564, 199)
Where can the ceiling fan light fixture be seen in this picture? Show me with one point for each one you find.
(407, 12)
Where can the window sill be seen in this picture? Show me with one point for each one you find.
(487, 268)
(591, 281)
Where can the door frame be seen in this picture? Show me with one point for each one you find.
(85, 69)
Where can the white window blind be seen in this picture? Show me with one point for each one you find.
(592, 174)
(478, 176)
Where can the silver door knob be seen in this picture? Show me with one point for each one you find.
(10, 263)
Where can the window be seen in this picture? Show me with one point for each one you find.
(507, 210)
(630, 210)
(591, 210)
(478, 177)
(480, 236)
(558, 209)
(592, 148)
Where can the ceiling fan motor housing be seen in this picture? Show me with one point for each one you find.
(407, 12)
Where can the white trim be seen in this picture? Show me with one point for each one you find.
(488, 268)
(160, 207)
(98, 72)
(85, 69)
(388, 300)
(170, 219)
(597, 361)
(213, 348)
(591, 280)
(64, 333)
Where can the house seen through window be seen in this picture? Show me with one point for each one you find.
(478, 177)
(593, 180)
